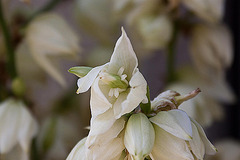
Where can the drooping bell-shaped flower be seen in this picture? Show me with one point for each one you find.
(155, 31)
(139, 136)
(17, 126)
(48, 36)
(211, 50)
(208, 10)
(206, 107)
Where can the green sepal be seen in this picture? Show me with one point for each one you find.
(80, 71)
(146, 108)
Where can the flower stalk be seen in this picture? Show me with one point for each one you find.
(171, 55)
(9, 45)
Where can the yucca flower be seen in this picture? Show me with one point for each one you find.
(48, 37)
(18, 127)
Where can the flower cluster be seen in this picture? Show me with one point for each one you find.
(125, 124)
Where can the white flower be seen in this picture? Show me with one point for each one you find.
(206, 107)
(200, 145)
(139, 136)
(48, 36)
(211, 49)
(155, 30)
(117, 85)
(178, 137)
(208, 10)
(117, 88)
(96, 18)
(17, 126)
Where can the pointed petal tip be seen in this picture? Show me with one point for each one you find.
(123, 32)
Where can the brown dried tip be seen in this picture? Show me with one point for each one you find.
(191, 94)
(188, 96)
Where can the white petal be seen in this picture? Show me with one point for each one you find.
(109, 151)
(139, 136)
(99, 103)
(210, 149)
(86, 82)
(78, 152)
(128, 102)
(169, 147)
(123, 56)
(28, 129)
(9, 125)
(175, 122)
(49, 67)
(110, 134)
(196, 144)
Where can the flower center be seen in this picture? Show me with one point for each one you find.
(117, 82)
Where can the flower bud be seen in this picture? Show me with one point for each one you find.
(49, 36)
(139, 136)
(18, 87)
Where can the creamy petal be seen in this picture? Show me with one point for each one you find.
(48, 66)
(210, 149)
(9, 126)
(99, 103)
(110, 151)
(123, 56)
(139, 136)
(110, 134)
(175, 122)
(78, 152)
(28, 129)
(169, 147)
(86, 82)
(137, 94)
(196, 144)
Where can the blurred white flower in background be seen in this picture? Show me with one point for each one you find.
(24, 59)
(49, 37)
(17, 126)
(206, 107)
(155, 30)
(96, 18)
(211, 49)
(208, 10)
(228, 149)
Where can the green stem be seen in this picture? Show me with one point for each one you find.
(9, 45)
(171, 55)
(49, 6)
